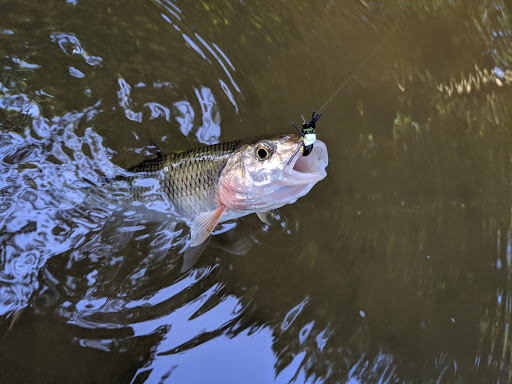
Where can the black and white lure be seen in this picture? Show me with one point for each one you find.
(308, 135)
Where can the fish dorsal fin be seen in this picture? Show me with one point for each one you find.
(154, 152)
(204, 224)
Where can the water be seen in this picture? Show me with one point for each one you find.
(396, 268)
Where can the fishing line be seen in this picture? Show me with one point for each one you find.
(307, 133)
(358, 68)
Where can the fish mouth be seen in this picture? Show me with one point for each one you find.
(295, 181)
(308, 169)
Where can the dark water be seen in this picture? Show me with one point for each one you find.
(396, 268)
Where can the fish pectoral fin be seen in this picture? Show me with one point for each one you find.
(266, 217)
(204, 224)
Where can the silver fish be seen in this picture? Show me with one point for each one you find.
(215, 183)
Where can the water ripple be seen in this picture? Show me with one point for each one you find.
(70, 45)
(209, 131)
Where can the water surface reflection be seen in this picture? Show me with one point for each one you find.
(396, 268)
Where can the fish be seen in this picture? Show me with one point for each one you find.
(215, 183)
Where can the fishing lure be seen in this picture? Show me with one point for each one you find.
(308, 135)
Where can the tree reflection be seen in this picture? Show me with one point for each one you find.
(397, 269)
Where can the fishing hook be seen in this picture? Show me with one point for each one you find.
(308, 135)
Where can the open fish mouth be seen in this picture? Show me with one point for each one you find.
(284, 186)
(308, 169)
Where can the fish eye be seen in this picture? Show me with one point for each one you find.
(263, 151)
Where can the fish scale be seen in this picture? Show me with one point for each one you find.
(188, 178)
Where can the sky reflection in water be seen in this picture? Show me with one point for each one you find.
(397, 267)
